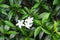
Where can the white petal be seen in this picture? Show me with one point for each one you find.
(20, 23)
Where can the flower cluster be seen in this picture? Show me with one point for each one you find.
(27, 22)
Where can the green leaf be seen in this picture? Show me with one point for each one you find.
(22, 11)
(10, 14)
(3, 12)
(38, 22)
(58, 33)
(48, 38)
(45, 7)
(44, 15)
(55, 2)
(24, 31)
(11, 32)
(55, 38)
(31, 32)
(1, 1)
(36, 6)
(27, 9)
(31, 39)
(9, 24)
(1, 23)
(4, 6)
(46, 31)
(55, 26)
(37, 0)
(12, 36)
(24, 16)
(1, 29)
(37, 31)
(6, 28)
(11, 2)
(2, 37)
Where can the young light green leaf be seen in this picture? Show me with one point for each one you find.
(55, 26)
(37, 31)
(4, 6)
(58, 33)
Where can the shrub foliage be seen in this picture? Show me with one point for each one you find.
(46, 23)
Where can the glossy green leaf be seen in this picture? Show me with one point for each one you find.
(6, 28)
(12, 36)
(44, 15)
(46, 31)
(11, 32)
(37, 31)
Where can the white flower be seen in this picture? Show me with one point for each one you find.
(28, 22)
(20, 23)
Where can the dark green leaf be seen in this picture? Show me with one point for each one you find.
(55, 2)
(9, 24)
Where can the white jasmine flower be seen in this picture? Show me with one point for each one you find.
(20, 23)
(28, 22)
